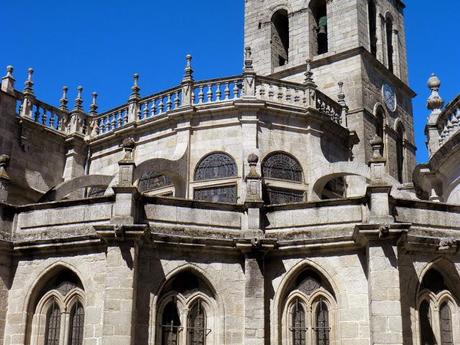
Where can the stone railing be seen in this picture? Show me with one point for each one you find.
(449, 121)
(41, 113)
(188, 94)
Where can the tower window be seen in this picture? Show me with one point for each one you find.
(372, 12)
(400, 152)
(280, 38)
(390, 48)
(318, 10)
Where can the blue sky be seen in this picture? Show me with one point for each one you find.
(100, 44)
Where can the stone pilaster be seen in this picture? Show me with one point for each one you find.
(253, 201)
(75, 157)
(384, 293)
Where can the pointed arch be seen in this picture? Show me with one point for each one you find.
(280, 38)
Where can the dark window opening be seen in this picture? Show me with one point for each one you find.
(380, 125)
(196, 325)
(400, 153)
(426, 330)
(433, 281)
(446, 325)
(390, 49)
(280, 38)
(372, 11)
(214, 166)
(283, 167)
(170, 325)
(334, 189)
(279, 196)
(319, 11)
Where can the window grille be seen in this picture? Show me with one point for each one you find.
(151, 181)
(227, 194)
(277, 196)
(96, 192)
(53, 325)
(76, 326)
(322, 324)
(216, 165)
(196, 325)
(298, 327)
(446, 325)
(282, 166)
(170, 326)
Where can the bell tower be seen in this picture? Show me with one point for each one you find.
(358, 42)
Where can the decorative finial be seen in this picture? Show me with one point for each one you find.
(9, 72)
(188, 68)
(309, 82)
(377, 147)
(64, 100)
(435, 102)
(93, 107)
(253, 159)
(29, 84)
(135, 88)
(248, 59)
(79, 100)
(128, 145)
(341, 95)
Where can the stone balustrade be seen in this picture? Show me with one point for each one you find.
(449, 121)
(42, 113)
(203, 93)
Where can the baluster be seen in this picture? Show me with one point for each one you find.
(218, 92)
(145, 110)
(177, 100)
(262, 90)
(288, 95)
(227, 91)
(114, 121)
(209, 93)
(161, 106)
(200, 95)
(43, 117)
(271, 92)
(153, 107)
(125, 116)
(280, 94)
(235, 89)
(169, 103)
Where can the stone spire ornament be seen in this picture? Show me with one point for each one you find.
(135, 88)
(435, 102)
(93, 107)
(309, 82)
(248, 62)
(188, 76)
(64, 99)
(29, 84)
(8, 81)
(79, 100)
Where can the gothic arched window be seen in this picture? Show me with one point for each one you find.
(60, 294)
(437, 311)
(53, 325)
(400, 152)
(308, 313)
(186, 310)
(280, 38)
(76, 322)
(216, 166)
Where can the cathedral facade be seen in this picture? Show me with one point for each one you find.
(282, 206)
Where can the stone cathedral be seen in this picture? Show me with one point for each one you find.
(282, 206)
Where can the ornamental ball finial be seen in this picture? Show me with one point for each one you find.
(434, 83)
(9, 69)
(253, 159)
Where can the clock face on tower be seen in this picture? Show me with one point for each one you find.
(389, 97)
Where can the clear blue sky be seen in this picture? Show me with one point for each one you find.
(101, 43)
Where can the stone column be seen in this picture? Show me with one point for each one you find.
(133, 102)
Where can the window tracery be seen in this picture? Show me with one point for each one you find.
(214, 166)
(283, 167)
(151, 181)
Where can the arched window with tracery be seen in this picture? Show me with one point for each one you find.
(216, 166)
(186, 312)
(57, 310)
(308, 311)
(437, 311)
(277, 169)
